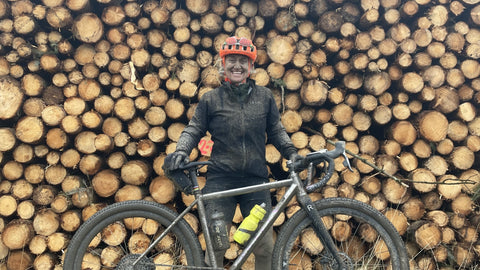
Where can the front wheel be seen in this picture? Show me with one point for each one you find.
(365, 238)
(114, 237)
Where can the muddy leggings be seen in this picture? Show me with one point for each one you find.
(227, 206)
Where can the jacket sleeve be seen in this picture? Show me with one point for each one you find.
(195, 129)
(277, 135)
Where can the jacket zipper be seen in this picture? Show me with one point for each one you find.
(244, 165)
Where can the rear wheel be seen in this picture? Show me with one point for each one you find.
(114, 237)
(364, 237)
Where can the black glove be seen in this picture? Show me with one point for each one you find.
(298, 160)
(174, 160)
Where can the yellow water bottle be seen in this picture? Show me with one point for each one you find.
(249, 224)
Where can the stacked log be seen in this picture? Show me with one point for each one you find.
(94, 94)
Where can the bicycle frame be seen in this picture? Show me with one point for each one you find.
(295, 187)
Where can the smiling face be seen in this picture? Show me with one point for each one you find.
(237, 68)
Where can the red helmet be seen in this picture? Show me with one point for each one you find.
(235, 45)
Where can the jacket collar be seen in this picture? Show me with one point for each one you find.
(228, 89)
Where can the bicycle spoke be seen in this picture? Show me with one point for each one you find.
(358, 250)
(129, 237)
(360, 239)
(116, 237)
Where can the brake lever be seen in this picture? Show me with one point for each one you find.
(346, 161)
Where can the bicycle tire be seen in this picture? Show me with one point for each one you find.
(289, 253)
(184, 240)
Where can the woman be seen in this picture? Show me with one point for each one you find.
(240, 116)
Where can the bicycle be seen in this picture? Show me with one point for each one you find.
(368, 239)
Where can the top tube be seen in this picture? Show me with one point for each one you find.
(247, 189)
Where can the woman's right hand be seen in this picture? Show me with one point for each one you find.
(174, 160)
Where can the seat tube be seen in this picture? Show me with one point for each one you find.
(206, 232)
(202, 214)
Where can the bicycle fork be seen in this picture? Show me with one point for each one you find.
(319, 227)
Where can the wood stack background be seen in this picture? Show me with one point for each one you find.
(94, 94)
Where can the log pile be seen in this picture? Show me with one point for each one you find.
(95, 93)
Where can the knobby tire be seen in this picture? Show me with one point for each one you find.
(359, 251)
(185, 248)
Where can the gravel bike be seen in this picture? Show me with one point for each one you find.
(331, 233)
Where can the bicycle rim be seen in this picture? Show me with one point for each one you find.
(114, 237)
(364, 237)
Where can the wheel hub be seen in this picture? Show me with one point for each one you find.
(126, 263)
(332, 263)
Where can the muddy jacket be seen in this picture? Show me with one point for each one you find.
(239, 131)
